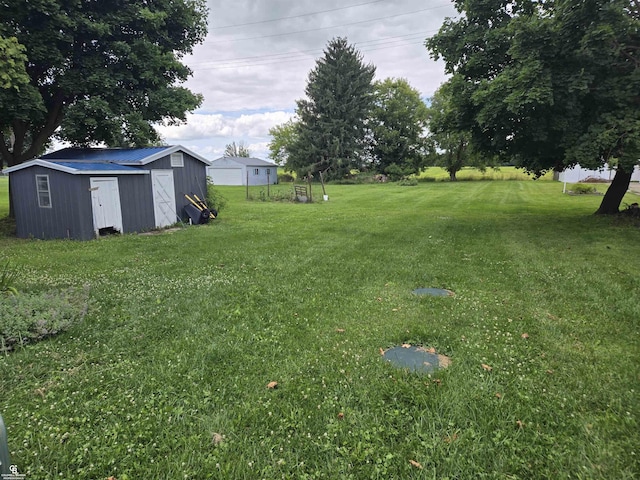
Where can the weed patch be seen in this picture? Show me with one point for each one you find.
(8, 276)
(28, 317)
(275, 194)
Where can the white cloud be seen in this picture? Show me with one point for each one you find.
(201, 126)
(252, 72)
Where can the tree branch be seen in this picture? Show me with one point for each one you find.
(54, 119)
(4, 152)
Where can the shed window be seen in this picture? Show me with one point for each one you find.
(256, 171)
(177, 160)
(44, 194)
(268, 171)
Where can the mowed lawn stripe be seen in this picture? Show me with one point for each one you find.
(185, 330)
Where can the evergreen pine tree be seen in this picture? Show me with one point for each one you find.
(331, 134)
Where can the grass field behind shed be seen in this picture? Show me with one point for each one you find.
(167, 375)
(4, 196)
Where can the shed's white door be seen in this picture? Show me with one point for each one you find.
(105, 202)
(164, 197)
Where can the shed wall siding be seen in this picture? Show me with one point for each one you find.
(63, 220)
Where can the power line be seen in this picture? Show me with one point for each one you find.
(381, 40)
(297, 59)
(295, 16)
(324, 28)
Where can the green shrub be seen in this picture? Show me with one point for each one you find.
(215, 200)
(408, 182)
(583, 189)
(285, 178)
(29, 317)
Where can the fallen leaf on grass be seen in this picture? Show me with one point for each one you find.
(381, 351)
(520, 423)
(272, 385)
(444, 361)
(340, 416)
(525, 335)
(415, 464)
(427, 350)
(406, 345)
(450, 439)
(395, 309)
(498, 395)
(217, 438)
(486, 367)
(340, 330)
(40, 391)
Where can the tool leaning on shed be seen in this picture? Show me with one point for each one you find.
(198, 211)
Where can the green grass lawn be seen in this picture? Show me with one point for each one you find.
(4, 196)
(166, 376)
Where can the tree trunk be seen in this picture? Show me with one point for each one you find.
(613, 197)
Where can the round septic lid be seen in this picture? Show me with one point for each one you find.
(433, 292)
(416, 359)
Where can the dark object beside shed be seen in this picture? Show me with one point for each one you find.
(198, 217)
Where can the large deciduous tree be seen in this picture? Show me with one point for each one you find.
(102, 71)
(452, 142)
(282, 138)
(12, 65)
(399, 125)
(548, 84)
(332, 128)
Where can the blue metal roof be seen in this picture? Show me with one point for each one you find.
(96, 166)
(118, 155)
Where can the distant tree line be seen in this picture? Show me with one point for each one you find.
(239, 149)
(539, 85)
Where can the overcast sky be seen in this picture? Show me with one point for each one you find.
(256, 59)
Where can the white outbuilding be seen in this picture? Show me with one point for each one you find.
(578, 174)
(242, 171)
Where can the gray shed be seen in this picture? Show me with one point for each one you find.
(81, 193)
(242, 171)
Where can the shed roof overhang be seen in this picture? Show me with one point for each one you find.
(80, 168)
(121, 156)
